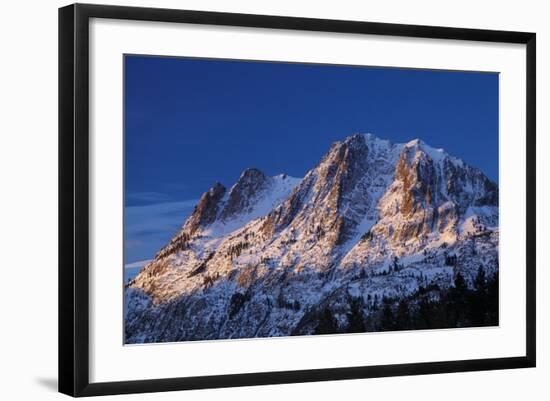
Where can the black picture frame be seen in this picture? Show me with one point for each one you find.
(74, 200)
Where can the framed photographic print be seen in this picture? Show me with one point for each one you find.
(250, 199)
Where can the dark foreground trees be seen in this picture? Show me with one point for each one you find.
(428, 308)
(433, 308)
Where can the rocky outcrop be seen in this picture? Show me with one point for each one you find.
(206, 211)
(251, 183)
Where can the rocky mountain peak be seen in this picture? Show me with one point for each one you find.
(320, 197)
(242, 195)
(342, 167)
(416, 172)
(252, 174)
(206, 211)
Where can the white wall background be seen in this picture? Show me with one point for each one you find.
(28, 199)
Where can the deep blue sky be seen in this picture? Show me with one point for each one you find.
(192, 122)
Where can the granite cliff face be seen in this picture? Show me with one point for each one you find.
(271, 255)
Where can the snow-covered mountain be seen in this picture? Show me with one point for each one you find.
(272, 256)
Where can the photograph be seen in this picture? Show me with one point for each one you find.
(271, 199)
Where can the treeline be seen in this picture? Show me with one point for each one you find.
(428, 308)
(234, 251)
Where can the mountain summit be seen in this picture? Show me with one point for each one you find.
(274, 256)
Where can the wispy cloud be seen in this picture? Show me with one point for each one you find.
(138, 264)
(149, 227)
(147, 197)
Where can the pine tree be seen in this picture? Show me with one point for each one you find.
(480, 281)
(460, 283)
(478, 299)
(327, 323)
(395, 264)
(387, 321)
(403, 316)
(492, 300)
(424, 315)
(356, 323)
